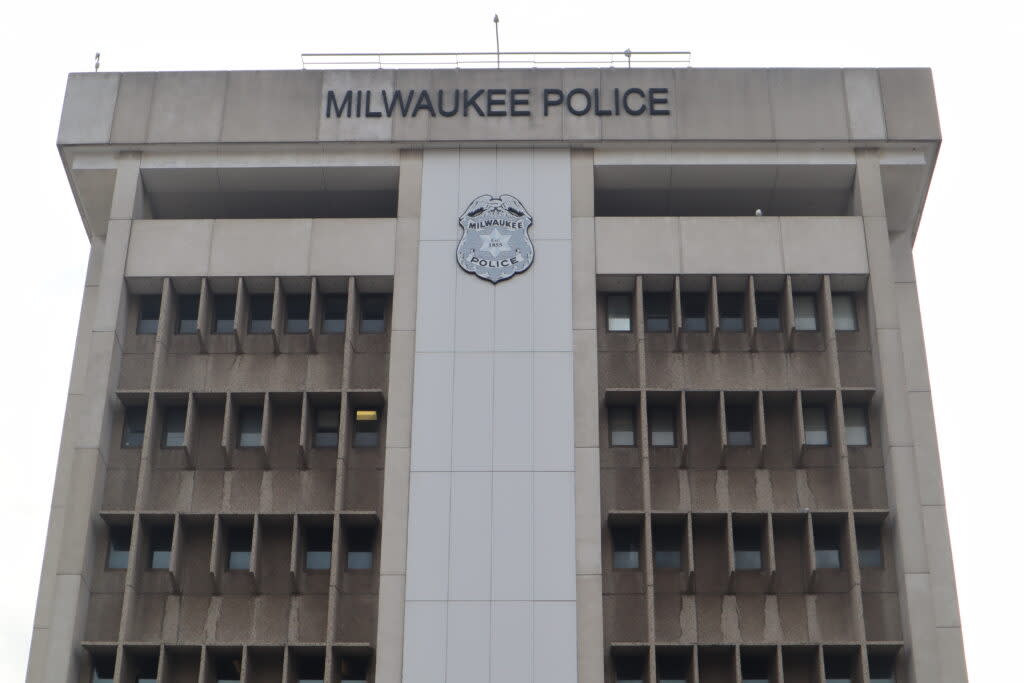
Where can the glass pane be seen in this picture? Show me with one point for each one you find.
(869, 546)
(120, 541)
(102, 669)
(227, 669)
(134, 426)
(826, 547)
(620, 313)
(663, 425)
(224, 313)
(668, 542)
(657, 309)
(297, 309)
(806, 309)
(881, 669)
(672, 668)
(856, 420)
(160, 547)
(250, 427)
(629, 669)
(373, 308)
(367, 429)
(309, 669)
(353, 669)
(318, 548)
(149, 314)
(325, 434)
(146, 669)
(239, 542)
(335, 309)
(174, 427)
(620, 425)
(755, 669)
(188, 314)
(359, 553)
(844, 312)
(261, 311)
(625, 548)
(747, 547)
(695, 312)
(837, 669)
(768, 312)
(739, 424)
(815, 425)
(730, 312)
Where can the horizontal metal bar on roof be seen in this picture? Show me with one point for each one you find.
(473, 60)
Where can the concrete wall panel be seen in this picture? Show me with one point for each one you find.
(88, 111)
(187, 107)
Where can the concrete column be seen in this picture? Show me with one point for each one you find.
(68, 560)
(931, 623)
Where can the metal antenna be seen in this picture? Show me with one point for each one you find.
(497, 43)
(97, 62)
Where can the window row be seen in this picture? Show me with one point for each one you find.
(226, 664)
(750, 542)
(236, 542)
(756, 664)
(735, 305)
(741, 418)
(248, 420)
(290, 308)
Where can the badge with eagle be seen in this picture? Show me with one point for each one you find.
(495, 244)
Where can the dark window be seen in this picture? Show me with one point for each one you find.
(224, 313)
(367, 429)
(354, 669)
(629, 669)
(816, 425)
(102, 669)
(239, 542)
(747, 546)
(621, 429)
(838, 669)
(335, 310)
(297, 310)
(250, 426)
(134, 426)
(695, 312)
(620, 312)
(855, 420)
(739, 424)
(844, 312)
(174, 427)
(149, 314)
(120, 542)
(730, 312)
(373, 308)
(668, 546)
(261, 313)
(673, 668)
(160, 546)
(881, 669)
(755, 669)
(768, 312)
(309, 669)
(869, 546)
(325, 428)
(359, 547)
(188, 313)
(318, 548)
(805, 308)
(662, 420)
(145, 669)
(826, 547)
(625, 547)
(658, 311)
(227, 669)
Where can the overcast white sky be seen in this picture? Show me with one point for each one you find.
(968, 251)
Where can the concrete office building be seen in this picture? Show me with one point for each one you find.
(541, 375)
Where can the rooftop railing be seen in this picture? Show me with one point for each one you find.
(491, 60)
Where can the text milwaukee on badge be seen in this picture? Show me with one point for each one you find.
(487, 102)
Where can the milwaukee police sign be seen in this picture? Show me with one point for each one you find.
(496, 102)
(495, 244)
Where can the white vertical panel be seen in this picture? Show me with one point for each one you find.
(554, 642)
(474, 312)
(513, 314)
(552, 297)
(439, 205)
(427, 560)
(552, 411)
(515, 175)
(435, 307)
(478, 174)
(470, 574)
(473, 405)
(512, 548)
(513, 411)
(511, 642)
(432, 411)
(554, 555)
(469, 640)
(423, 660)
(551, 211)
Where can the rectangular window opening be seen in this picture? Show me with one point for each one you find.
(673, 668)
(102, 669)
(739, 424)
(657, 311)
(695, 312)
(755, 669)
(296, 314)
(869, 546)
(174, 427)
(309, 669)
(367, 429)
(120, 542)
(359, 547)
(318, 548)
(134, 426)
(827, 553)
(354, 669)
(335, 311)
(855, 420)
(805, 308)
(730, 312)
(250, 427)
(747, 547)
(816, 425)
(160, 537)
(625, 547)
(767, 305)
(668, 546)
(373, 308)
(188, 314)
(146, 669)
(621, 426)
(149, 314)
(325, 428)
(629, 669)
(844, 312)
(239, 547)
(261, 313)
(620, 312)
(224, 314)
(227, 669)
(662, 420)
(838, 669)
(881, 669)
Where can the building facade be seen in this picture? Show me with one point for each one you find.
(499, 375)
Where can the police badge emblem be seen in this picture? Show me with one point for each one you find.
(495, 244)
